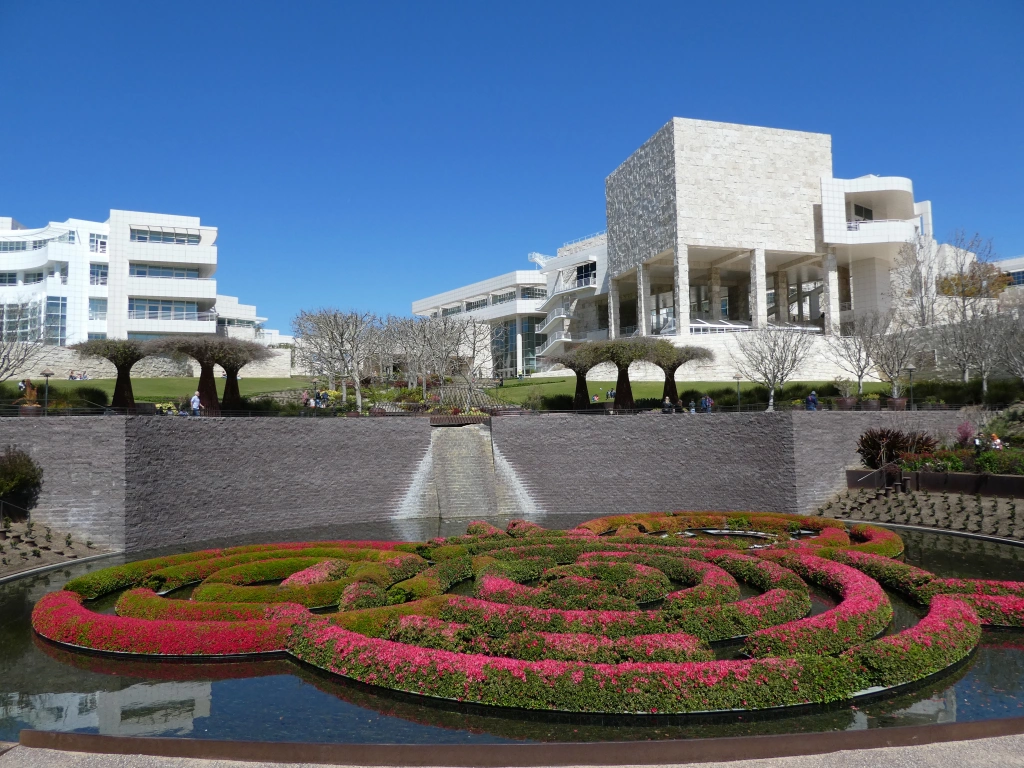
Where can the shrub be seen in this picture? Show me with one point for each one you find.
(556, 402)
(21, 478)
(879, 446)
(939, 461)
(1009, 461)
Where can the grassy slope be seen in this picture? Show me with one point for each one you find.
(164, 389)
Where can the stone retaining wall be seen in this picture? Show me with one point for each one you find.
(140, 482)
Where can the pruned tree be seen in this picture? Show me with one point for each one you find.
(771, 356)
(232, 356)
(319, 341)
(985, 335)
(579, 359)
(853, 350)
(670, 359)
(204, 349)
(122, 354)
(20, 337)
(894, 347)
(357, 347)
(622, 353)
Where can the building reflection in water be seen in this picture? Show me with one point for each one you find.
(146, 709)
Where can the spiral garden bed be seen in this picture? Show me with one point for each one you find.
(628, 615)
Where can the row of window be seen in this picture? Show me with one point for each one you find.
(156, 236)
(8, 246)
(150, 270)
(162, 309)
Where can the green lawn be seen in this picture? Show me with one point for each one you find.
(519, 392)
(164, 389)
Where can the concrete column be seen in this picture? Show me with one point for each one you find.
(682, 290)
(800, 301)
(782, 296)
(643, 299)
(758, 290)
(519, 346)
(830, 292)
(716, 293)
(613, 308)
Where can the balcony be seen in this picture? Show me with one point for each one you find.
(575, 284)
(880, 231)
(555, 341)
(172, 287)
(173, 316)
(556, 315)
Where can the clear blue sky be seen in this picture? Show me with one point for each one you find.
(363, 155)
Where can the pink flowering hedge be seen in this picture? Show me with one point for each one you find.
(143, 603)
(434, 581)
(324, 570)
(61, 617)
(644, 687)
(863, 612)
(947, 634)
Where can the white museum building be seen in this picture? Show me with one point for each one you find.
(709, 226)
(135, 275)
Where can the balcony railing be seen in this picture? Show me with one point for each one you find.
(93, 315)
(854, 226)
(559, 313)
(553, 339)
(572, 285)
(845, 306)
(141, 314)
(173, 277)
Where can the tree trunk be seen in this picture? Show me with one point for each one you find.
(344, 391)
(624, 390)
(581, 400)
(966, 374)
(860, 385)
(669, 390)
(232, 399)
(984, 384)
(208, 390)
(123, 395)
(771, 399)
(359, 391)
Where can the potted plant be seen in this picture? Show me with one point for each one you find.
(845, 401)
(871, 402)
(897, 403)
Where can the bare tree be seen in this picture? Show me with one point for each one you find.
(853, 350)
(319, 343)
(771, 355)
(985, 334)
(1010, 330)
(357, 347)
(123, 354)
(670, 359)
(914, 278)
(20, 337)
(894, 347)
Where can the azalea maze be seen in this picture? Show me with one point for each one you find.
(650, 613)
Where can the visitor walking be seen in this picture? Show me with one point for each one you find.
(812, 401)
(196, 404)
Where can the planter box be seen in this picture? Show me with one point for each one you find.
(871, 405)
(30, 410)
(846, 403)
(897, 404)
(967, 483)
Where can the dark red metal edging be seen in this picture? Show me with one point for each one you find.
(527, 755)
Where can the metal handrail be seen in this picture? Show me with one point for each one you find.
(137, 314)
(572, 285)
(854, 226)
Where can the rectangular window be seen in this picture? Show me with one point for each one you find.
(172, 236)
(37, 244)
(96, 336)
(532, 292)
(471, 305)
(150, 270)
(860, 213)
(8, 278)
(12, 245)
(97, 309)
(98, 274)
(55, 331)
(586, 274)
(1017, 277)
(20, 322)
(162, 309)
(448, 311)
(97, 243)
(71, 236)
(31, 278)
(59, 269)
(503, 298)
(503, 348)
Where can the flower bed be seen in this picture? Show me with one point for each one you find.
(566, 620)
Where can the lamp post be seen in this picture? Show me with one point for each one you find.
(739, 401)
(46, 374)
(910, 372)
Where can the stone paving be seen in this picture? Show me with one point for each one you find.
(1003, 752)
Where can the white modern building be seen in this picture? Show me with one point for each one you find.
(711, 224)
(136, 275)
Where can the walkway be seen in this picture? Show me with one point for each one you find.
(1003, 752)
